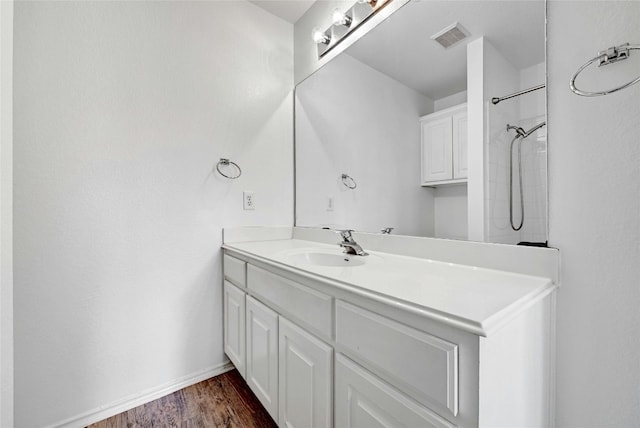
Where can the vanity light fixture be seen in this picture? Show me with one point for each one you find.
(343, 23)
(319, 37)
(339, 18)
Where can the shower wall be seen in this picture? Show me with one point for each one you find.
(525, 111)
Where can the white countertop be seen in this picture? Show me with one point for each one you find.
(475, 299)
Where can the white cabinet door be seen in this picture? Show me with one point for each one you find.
(305, 372)
(262, 354)
(437, 153)
(234, 326)
(460, 145)
(364, 401)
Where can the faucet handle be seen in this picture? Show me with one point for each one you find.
(345, 234)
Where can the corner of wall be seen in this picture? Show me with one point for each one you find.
(475, 112)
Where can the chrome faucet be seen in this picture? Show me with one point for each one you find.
(350, 246)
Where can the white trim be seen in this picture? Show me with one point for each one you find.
(444, 182)
(553, 348)
(6, 214)
(449, 111)
(146, 396)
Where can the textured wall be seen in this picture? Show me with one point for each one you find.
(594, 188)
(343, 126)
(122, 110)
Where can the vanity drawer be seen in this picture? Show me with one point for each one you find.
(235, 270)
(364, 401)
(423, 366)
(308, 307)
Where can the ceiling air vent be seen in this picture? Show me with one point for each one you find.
(450, 35)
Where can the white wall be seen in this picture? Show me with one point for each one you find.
(594, 188)
(450, 101)
(475, 140)
(450, 212)
(353, 119)
(6, 213)
(122, 110)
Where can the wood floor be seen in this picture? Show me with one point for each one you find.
(222, 401)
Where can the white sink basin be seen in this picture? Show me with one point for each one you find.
(325, 259)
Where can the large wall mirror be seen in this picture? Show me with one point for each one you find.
(398, 131)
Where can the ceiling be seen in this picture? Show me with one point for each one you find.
(289, 10)
(401, 47)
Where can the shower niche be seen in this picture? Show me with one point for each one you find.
(412, 122)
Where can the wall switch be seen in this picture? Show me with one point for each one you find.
(329, 203)
(249, 201)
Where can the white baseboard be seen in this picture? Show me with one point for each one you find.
(135, 400)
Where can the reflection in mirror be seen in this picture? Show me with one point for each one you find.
(412, 125)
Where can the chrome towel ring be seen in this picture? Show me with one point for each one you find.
(611, 55)
(349, 182)
(227, 162)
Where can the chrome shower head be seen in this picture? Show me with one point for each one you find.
(518, 130)
(524, 134)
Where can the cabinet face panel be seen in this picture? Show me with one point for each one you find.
(235, 270)
(262, 354)
(305, 373)
(460, 145)
(423, 366)
(436, 150)
(234, 326)
(364, 401)
(304, 305)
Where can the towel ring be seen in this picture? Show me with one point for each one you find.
(611, 55)
(227, 162)
(349, 182)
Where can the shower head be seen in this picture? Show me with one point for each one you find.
(518, 129)
(524, 134)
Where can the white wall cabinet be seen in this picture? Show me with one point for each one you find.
(374, 364)
(262, 354)
(444, 146)
(306, 398)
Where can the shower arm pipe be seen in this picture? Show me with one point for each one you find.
(496, 100)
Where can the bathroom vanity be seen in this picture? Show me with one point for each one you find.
(422, 332)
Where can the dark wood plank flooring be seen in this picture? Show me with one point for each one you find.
(222, 401)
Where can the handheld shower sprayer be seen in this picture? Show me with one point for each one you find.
(521, 135)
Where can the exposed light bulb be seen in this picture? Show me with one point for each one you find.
(320, 37)
(340, 18)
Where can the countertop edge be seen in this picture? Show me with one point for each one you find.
(488, 326)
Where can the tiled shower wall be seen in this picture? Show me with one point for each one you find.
(525, 111)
